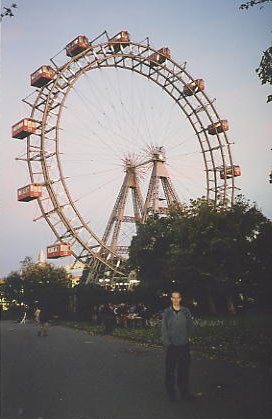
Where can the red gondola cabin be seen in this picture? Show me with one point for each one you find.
(218, 127)
(229, 172)
(122, 38)
(29, 192)
(194, 87)
(159, 57)
(42, 76)
(58, 250)
(78, 45)
(24, 128)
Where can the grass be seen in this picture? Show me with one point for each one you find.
(244, 340)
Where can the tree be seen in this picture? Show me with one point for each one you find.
(260, 272)
(26, 262)
(41, 284)
(147, 251)
(13, 288)
(207, 251)
(264, 70)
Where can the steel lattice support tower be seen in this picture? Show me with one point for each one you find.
(117, 217)
(159, 176)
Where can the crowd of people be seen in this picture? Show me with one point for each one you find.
(124, 315)
(109, 315)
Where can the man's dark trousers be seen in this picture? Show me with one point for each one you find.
(177, 357)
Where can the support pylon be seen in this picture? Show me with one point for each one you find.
(159, 177)
(160, 184)
(118, 217)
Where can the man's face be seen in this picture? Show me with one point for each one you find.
(176, 298)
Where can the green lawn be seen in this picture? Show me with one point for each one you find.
(245, 340)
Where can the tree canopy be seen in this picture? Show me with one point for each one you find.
(38, 284)
(205, 251)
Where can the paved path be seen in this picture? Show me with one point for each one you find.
(71, 375)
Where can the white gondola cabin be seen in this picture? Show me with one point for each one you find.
(218, 127)
(122, 38)
(42, 76)
(195, 86)
(24, 128)
(79, 44)
(230, 171)
(58, 250)
(29, 192)
(160, 56)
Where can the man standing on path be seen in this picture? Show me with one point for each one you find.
(176, 328)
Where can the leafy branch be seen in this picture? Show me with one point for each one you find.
(264, 70)
(8, 11)
(253, 3)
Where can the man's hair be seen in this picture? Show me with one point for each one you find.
(175, 291)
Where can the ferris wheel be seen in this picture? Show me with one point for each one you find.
(143, 130)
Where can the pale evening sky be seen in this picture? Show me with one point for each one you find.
(221, 44)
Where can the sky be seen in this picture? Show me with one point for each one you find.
(221, 44)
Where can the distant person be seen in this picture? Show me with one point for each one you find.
(99, 313)
(176, 328)
(95, 313)
(108, 319)
(43, 321)
(37, 315)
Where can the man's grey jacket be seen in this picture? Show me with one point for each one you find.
(176, 327)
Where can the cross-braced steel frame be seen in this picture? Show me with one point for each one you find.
(118, 216)
(159, 175)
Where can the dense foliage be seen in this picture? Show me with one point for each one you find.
(264, 70)
(38, 284)
(219, 257)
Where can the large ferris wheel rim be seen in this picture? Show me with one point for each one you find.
(145, 61)
(100, 63)
(155, 70)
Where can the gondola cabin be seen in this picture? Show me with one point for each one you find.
(122, 38)
(59, 250)
(79, 44)
(29, 192)
(24, 128)
(229, 172)
(159, 57)
(218, 127)
(195, 86)
(42, 76)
